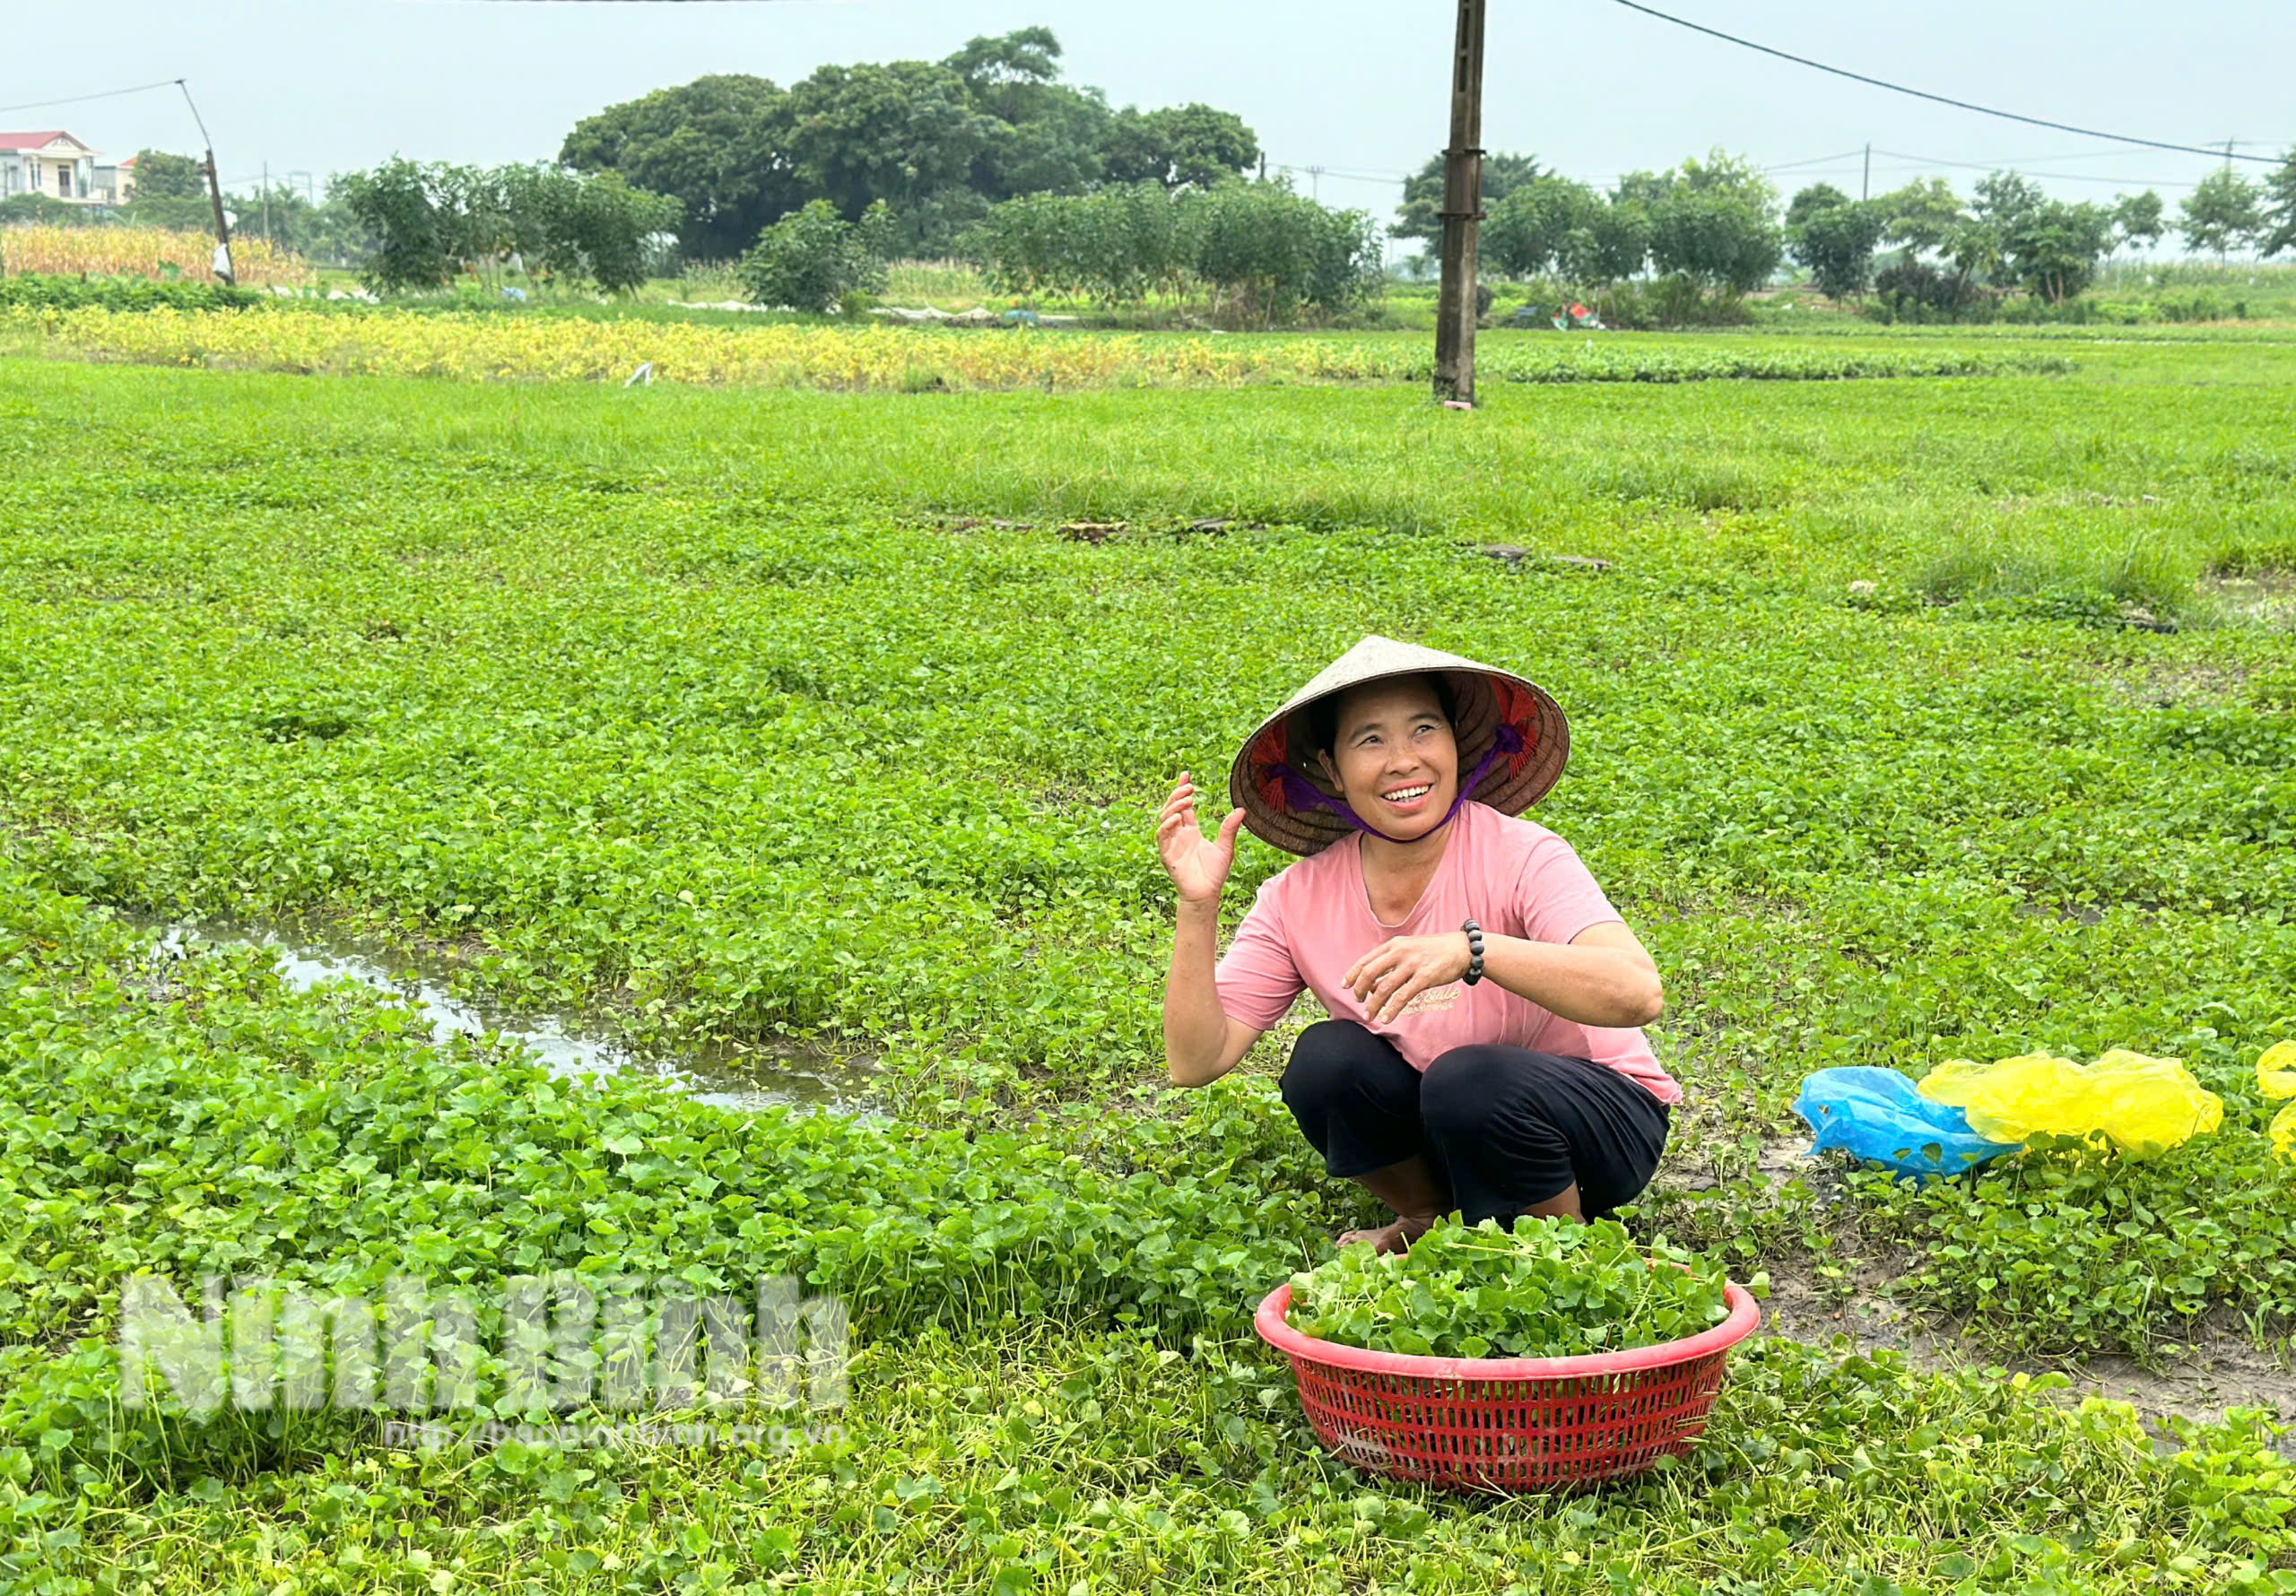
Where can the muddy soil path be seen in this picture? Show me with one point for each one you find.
(2221, 1368)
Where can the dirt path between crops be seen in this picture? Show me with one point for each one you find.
(2225, 1369)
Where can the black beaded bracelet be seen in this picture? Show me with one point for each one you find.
(1474, 952)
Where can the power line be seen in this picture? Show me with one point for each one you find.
(35, 105)
(1325, 172)
(1788, 166)
(1921, 169)
(2124, 138)
(1356, 176)
(1930, 160)
(2021, 162)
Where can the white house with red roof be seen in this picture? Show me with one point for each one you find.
(54, 163)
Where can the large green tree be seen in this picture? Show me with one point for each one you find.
(172, 192)
(1181, 147)
(1923, 214)
(1046, 137)
(1727, 177)
(2045, 246)
(2138, 218)
(1642, 188)
(907, 133)
(1715, 237)
(1529, 231)
(431, 222)
(1810, 201)
(2280, 209)
(1713, 221)
(719, 145)
(1612, 246)
(1421, 215)
(939, 142)
(2225, 213)
(401, 205)
(1010, 76)
(161, 174)
(1833, 238)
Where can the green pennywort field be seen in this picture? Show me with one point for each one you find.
(1911, 720)
(1053, 1387)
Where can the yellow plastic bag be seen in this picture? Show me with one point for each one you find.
(2277, 1078)
(2145, 1105)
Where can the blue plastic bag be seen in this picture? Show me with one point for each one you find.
(1881, 1117)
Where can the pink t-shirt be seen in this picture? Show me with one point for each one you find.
(1513, 877)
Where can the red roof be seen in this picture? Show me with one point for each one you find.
(34, 141)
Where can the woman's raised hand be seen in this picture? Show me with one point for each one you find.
(1198, 867)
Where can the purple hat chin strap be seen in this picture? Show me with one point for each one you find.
(1300, 794)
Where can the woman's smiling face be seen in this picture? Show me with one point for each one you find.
(1396, 763)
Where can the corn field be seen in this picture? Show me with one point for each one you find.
(143, 252)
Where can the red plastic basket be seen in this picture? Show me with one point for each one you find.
(1509, 1423)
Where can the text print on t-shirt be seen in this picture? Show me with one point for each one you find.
(1433, 997)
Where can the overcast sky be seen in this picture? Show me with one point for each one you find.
(1356, 86)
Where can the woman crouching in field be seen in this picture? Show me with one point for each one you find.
(1483, 1053)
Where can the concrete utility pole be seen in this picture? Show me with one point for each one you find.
(214, 192)
(1455, 314)
(266, 203)
(1866, 188)
(223, 227)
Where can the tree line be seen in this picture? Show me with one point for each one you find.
(940, 143)
(1261, 252)
(1716, 224)
(990, 155)
(929, 148)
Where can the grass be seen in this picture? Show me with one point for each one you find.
(738, 712)
(2199, 289)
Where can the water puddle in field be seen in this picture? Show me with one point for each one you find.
(2263, 598)
(786, 1073)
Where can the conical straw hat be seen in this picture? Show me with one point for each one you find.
(1276, 782)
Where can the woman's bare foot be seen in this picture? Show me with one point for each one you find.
(1396, 1237)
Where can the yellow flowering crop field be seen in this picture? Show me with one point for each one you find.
(143, 252)
(489, 347)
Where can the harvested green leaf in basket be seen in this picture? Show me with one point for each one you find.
(1550, 1289)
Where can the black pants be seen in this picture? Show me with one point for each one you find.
(1506, 1128)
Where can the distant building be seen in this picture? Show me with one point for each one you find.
(59, 166)
(117, 183)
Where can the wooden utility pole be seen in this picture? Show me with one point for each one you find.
(1455, 310)
(223, 227)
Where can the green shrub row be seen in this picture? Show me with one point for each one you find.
(34, 292)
